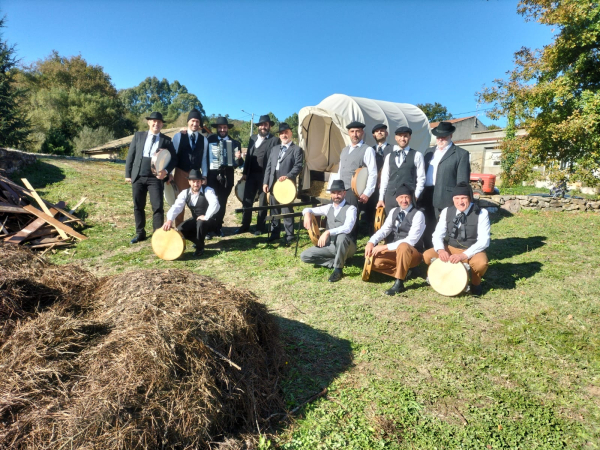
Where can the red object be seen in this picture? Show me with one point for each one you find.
(487, 180)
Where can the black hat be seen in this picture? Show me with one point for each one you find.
(221, 121)
(443, 129)
(355, 124)
(195, 175)
(283, 126)
(379, 126)
(403, 130)
(463, 188)
(405, 189)
(337, 185)
(195, 114)
(155, 116)
(264, 119)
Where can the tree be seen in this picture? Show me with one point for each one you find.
(90, 138)
(435, 112)
(554, 93)
(292, 121)
(14, 126)
(170, 99)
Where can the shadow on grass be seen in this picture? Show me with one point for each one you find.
(315, 359)
(506, 275)
(512, 246)
(40, 174)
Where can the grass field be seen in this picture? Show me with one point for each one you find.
(518, 368)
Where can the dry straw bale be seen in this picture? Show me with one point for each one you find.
(136, 367)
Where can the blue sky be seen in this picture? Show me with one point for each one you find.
(279, 56)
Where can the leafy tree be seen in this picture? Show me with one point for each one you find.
(493, 127)
(292, 121)
(90, 138)
(435, 112)
(554, 93)
(14, 126)
(152, 94)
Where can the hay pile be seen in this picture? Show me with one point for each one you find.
(140, 360)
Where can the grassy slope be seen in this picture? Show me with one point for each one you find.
(518, 368)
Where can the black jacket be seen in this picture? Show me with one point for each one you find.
(290, 166)
(452, 169)
(136, 153)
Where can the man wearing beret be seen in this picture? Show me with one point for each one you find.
(403, 166)
(221, 172)
(462, 235)
(382, 149)
(259, 149)
(446, 165)
(285, 162)
(357, 154)
(138, 172)
(402, 231)
(336, 244)
(190, 146)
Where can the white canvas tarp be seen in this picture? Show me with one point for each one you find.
(323, 132)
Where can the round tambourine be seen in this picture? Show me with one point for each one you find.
(168, 245)
(160, 160)
(284, 191)
(447, 278)
(366, 273)
(313, 232)
(359, 181)
(379, 218)
(171, 193)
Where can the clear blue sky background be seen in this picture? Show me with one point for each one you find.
(279, 56)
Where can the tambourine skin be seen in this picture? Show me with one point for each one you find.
(284, 191)
(160, 160)
(168, 245)
(447, 278)
(314, 233)
(359, 181)
(239, 190)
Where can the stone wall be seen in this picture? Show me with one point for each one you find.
(13, 160)
(515, 203)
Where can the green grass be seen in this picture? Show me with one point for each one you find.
(518, 368)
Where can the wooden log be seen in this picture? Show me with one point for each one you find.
(38, 199)
(55, 223)
(8, 208)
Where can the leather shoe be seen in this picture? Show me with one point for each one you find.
(476, 290)
(273, 238)
(257, 233)
(199, 252)
(209, 236)
(396, 288)
(138, 238)
(241, 230)
(336, 275)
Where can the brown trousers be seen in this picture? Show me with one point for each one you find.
(180, 178)
(396, 263)
(478, 263)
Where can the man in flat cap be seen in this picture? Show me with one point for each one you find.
(220, 171)
(259, 149)
(382, 149)
(357, 154)
(203, 204)
(402, 166)
(190, 146)
(446, 165)
(138, 172)
(402, 231)
(462, 235)
(336, 244)
(284, 163)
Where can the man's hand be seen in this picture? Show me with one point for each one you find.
(380, 204)
(307, 220)
(238, 154)
(323, 239)
(201, 217)
(162, 174)
(167, 225)
(170, 179)
(183, 131)
(444, 255)
(363, 198)
(282, 178)
(128, 180)
(379, 249)
(265, 188)
(369, 249)
(458, 257)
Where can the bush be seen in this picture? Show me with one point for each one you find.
(90, 138)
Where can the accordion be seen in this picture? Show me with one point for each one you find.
(222, 154)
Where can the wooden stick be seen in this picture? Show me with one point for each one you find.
(4, 230)
(38, 199)
(55, 223)
(219, 354)
(83, 199)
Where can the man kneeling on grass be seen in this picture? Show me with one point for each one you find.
(203, 204)
(402, 230)
(462, 235)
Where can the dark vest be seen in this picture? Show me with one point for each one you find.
(201, 205)
(188, 159)
(260, 156)
(406, 173)
(145, 168)
(471, 227)
(405, 226)
(380, 159)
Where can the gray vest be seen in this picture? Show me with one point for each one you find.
(405, 226)
(471, 226)
(349, 162)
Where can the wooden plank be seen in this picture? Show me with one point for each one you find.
(55, 223)
(38, 199)
(72, 211)
(9, 190)
(32, 230)
(8, 208)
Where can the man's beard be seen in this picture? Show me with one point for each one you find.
(262, 133)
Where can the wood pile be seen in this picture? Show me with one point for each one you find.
(38, 224)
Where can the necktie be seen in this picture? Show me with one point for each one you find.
(399, 220)
(460, 219)
(152, 144)
(380, 150)
(400, 156)
(281, 153)
(193, 139)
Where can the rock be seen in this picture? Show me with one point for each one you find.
(555, 203)
(578, 201)
(594, 205)
(524, 202)
(534, 200)
(14, 160)
(497, 198)
(522, 197)
(512, 206)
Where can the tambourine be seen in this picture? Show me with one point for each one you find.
(160, 160)
(168, 245)
(171, 193)
(284, 191)
(359, 181)
(313, 232)
(239, 191)
(366, 273)
(447, 278)
(379, 218)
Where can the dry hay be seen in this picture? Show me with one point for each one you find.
(140, 360)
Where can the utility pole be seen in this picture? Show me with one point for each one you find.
(251, 121)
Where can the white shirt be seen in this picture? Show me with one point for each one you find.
(259, 140)
(371, 164)
(287, 147)
(483, 232)
(414, 234)
(435, 160)
(209, 193)
(385, 171)
(346, 228)
(150, 150)
(177, 140)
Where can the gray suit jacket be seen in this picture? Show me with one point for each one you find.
(452, 169)
(136, 152)
(290, 166)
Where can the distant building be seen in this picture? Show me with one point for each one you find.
(465, 126)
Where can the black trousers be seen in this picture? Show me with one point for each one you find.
(370, 209)
(140, 188)
(432, 214)
(196, 230)
(288, 223)
(254, 184)
(222, 192)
